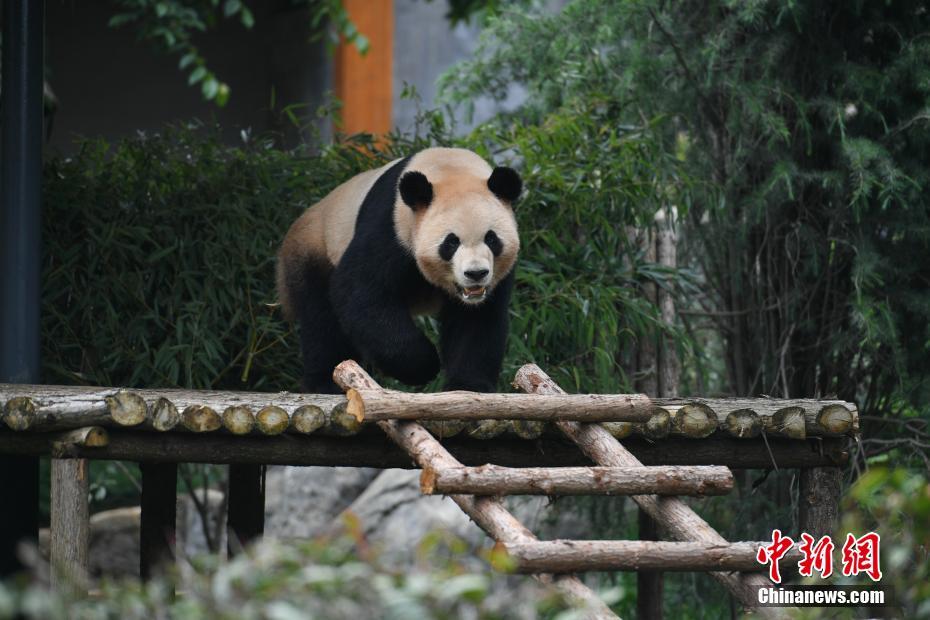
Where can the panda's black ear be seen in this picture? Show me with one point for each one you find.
(416, 190)
(505, 183)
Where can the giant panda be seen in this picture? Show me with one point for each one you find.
(433, 233)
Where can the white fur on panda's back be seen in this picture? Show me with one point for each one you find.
(325, 229)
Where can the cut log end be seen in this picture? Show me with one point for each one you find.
(65, 444)
(488, 429)
(308, 418)
(790, 423)
(619, 430)
(355, 406)
(658, 425)
(200, 419)
(19, 413)
(743, 423)
(127, 408)
(238, 419)
(695, 420)
(272, 420)
(165, 415)
(835, 419)
(444, 428)
(528, 429)
(341, 423)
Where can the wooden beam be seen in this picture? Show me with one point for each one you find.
(374, 405)
(579, 556)
(159, 513)
(364, 84)
(368, 449)
(246, 510)
(70, 524)
(495, 480)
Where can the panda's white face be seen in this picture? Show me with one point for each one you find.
(454, 214)
(467, 248)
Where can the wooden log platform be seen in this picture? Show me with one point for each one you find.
(579, 556)
(496, 480)
(50, 408)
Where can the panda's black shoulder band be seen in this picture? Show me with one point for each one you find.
(505, 183)
(415, 190)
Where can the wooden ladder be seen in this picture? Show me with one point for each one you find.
(477, 491)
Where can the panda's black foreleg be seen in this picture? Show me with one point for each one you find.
(322, 342)
(473, 340)
(378, 323)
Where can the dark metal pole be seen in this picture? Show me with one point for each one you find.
(20, 250)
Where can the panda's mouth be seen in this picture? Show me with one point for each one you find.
(472, 294)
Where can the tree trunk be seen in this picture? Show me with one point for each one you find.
(70, 524)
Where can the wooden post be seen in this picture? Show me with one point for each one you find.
(819, 493)
(159, 513)
(70, 524)
(245, 521)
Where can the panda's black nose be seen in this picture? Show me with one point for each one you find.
(476, 275)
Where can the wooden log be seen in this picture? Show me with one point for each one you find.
(67, 443)
(165, 415)
(819, 493)
(488, 429)
(496, 480)
(442, 429)
(380, 404)
(245, 520)
(200, 419)
(650, 584)
(793, 418)
(579, 556)
(238, 419)
(669, 367)
(70, 525)
(159, 514)
(272, 420)
(51, 408)
(487, 513)
(373, 450)
(308, 418)
(672, 513)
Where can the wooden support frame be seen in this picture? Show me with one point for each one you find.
(488, 513)
(158, 534)
(681, 522)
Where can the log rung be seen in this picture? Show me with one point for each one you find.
(642, 480)
(578, 556)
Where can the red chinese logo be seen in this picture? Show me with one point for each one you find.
(860, 555)
(817, 556)
(771, 554)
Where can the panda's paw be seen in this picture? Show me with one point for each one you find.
(417, 367)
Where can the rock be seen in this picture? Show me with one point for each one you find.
(303, 502)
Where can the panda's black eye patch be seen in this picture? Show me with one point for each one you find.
(494, 242)
(448, 247)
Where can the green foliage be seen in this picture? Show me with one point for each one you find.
(802, 129)
(329, 578)
(895, 503)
